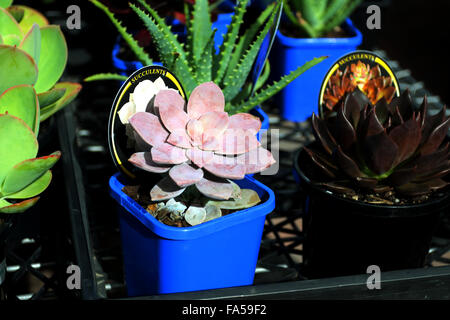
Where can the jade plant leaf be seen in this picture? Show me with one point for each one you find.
(17, 143)
(5, 3)
(9, 25)
(26, 172)
(53, 58)
(16, 68)
(21, 101)
(249, 198)
(9, 208)
(33, 189)
(28, 17)
(31, 43)
(71, 91)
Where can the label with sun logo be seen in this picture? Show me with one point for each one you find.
(358, 70)
(136, 95)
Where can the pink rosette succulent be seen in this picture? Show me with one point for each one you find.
(198, 144)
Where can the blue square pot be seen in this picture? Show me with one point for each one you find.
(219, 253)
(301, 97)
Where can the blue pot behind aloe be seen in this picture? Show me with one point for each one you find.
(300, 98)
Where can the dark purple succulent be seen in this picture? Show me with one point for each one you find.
(382, 147)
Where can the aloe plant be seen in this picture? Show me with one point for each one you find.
(33, 52)
(316, 18)
(22, 176)
(195, 62)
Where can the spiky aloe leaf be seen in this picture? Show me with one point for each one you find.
(17, 143)
(201, 29)
(263, 77)
(31, 43)
(204, 69)
(53, 58)
(164, 28)
(16, 68)
(167, 51)
(338, 18)
(132, 43)
(26, 172)
(233, 83)
(28, 17)
(247, 38)
(106, 76)
(71, 91)
(21, 101)
(223, 58)
(273, 89)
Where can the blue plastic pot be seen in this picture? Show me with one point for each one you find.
(301, 97)
(162, 259)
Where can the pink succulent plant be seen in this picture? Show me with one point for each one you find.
(200, 146)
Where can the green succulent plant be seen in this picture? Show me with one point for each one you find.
(315, 18)
(22, 176)
(195, 61)
(32, 52)
(382, 148)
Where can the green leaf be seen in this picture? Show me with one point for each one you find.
(49, 97)
(273, 89)
(230, 40)
(201, 28)
(167, 51)
(263, 77)
(338, 18)
(71, 91)
(30, 17)
(11, 40)
(21, 101)
(31, 43)
(236, 80)
(204, 69)
(248, 37)
(16, 68)
(164, 28)
(33, 189)
(1, 40)
(53, 58)
(9, 25)
(17, 143)
(26, 172)
(106, 76)
(132, 43)
(5, 3)
(8, 208)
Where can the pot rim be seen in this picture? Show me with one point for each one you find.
(194, 232)
(304, 177)
(354, 40)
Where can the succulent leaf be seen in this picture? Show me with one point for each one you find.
(9, 25)
(28, 17)
(53, 58)
(31, 43)
(26, 172)
(16, 68)
(17, 143)
(21, 101)
(9, 208)
(33, 189)
(71, 90)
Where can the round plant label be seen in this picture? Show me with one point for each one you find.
(361, 70)
(135, 95)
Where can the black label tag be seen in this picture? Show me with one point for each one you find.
(358, 69)
(121, 145)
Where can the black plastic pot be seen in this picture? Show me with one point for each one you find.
(344, 237)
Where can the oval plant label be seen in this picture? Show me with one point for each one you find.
(136, 95)
(358, 69)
